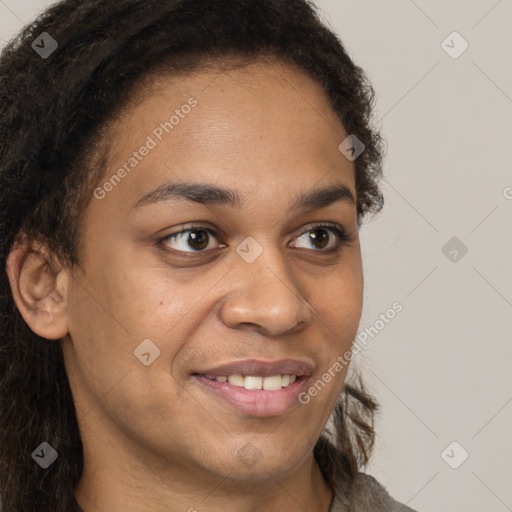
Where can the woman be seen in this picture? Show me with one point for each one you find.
(182, 186)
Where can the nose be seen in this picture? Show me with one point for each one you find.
(266, 297)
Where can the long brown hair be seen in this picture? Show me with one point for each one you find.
(52, 113)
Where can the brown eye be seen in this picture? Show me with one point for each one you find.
(198, 241)
(189, 240)
(321, 236)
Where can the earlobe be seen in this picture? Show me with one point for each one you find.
(39, 287)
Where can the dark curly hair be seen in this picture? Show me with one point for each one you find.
(54, 120)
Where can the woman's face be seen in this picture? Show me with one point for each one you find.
(251, 288)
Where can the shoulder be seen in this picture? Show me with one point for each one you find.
(368, 495)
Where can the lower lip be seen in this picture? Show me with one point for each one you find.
(256, 402)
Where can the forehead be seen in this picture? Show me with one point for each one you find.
(260, 126)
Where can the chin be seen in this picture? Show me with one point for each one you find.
(253, 464)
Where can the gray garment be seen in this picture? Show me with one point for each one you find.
(367, 496)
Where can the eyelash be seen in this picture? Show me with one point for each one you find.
(338, 231)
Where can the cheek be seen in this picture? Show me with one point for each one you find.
(338, 300)
(338, 305)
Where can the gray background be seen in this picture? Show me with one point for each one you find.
(441, 367)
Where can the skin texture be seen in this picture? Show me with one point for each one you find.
(154, 438)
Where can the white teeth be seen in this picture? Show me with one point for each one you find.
(253, 382)
(271, 383)
(236, 380)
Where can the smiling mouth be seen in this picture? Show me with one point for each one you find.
(256, 387)
(252, 382)
(255, 396)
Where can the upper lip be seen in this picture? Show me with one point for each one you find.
(259, 368)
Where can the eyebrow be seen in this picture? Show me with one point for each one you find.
(208, 194)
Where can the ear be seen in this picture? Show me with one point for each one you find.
(39, 285)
